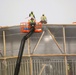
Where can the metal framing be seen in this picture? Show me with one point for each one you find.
(30, 55)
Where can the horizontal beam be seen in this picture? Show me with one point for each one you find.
(53, 55)
(38, 55)
(59, 24)
(8, 26)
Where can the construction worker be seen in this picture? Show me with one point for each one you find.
(43, 19)
(31, 15)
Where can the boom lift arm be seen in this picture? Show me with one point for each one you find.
(18, 62)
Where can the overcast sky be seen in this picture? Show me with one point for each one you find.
(12, 12)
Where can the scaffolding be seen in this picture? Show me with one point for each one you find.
(51, 52)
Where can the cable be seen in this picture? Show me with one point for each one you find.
(18, 62)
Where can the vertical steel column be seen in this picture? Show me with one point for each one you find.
(31, 71)
(4, 53)
(65, 58)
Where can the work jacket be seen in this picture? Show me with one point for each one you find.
(32, 15)
(43, 18)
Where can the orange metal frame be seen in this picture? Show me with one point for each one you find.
(74, 22)
(25, 27)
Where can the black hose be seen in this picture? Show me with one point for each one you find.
(18, 62)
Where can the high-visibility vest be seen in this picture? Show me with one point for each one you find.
(31, 21)
(32, 16)
(43, 18)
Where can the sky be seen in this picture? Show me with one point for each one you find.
(13, 12)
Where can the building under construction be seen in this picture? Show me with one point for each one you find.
(51, 52)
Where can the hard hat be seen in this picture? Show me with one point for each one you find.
(42, 14)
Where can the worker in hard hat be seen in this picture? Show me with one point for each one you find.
(31, 15)
(43, 19)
